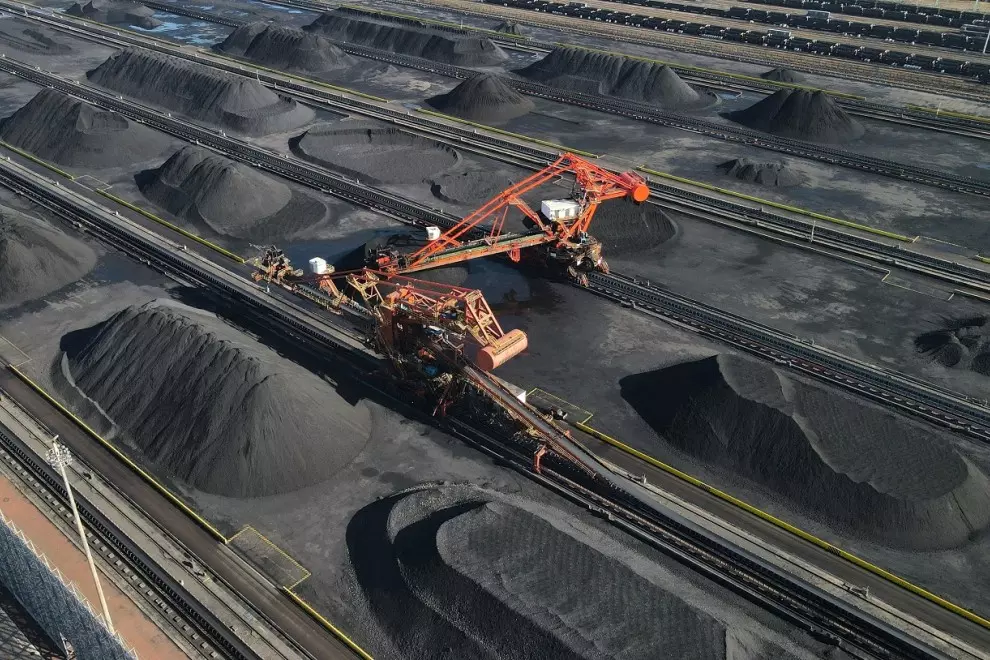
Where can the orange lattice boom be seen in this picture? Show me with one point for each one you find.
(593, 185)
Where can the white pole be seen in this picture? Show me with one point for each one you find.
(60, 457)
(813, 223)
(987, 41)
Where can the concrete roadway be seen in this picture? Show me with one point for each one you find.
(880, 589)
(277, 607)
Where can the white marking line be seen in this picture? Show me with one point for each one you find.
(101, 185)
(27, 358)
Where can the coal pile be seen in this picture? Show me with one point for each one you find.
(484, 98)
(508, 27)
(626, 228)
(961, 343)
(590, 72)
(774, 174)
(211, 406)
(483, 575)
(209, 190)
(65, 130)
(408, 37)
(800, 114)
(374, 153)
(31, 40)
(472, 187)
(116, 12)
(782, 75)
(857, 466)
(37, 258)
(199, 92)
(285, 48)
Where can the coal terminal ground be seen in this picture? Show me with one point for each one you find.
(807, 608)
(906, 393)
(644, 112)
(629, 300)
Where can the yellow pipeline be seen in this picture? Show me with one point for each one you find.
(337, 632)
(499, 131)
(950, 113)
(175, 228)
(829, 547)
(778, 205)
(35, 159)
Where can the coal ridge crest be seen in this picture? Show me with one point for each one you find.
(801, 114)
(782, 75)
(37, 258)
(772, 174)
(211, 406)
(484, 97)
(591, 72)
(447, 46)
(285, 48)
(838, 459)
(239, 103)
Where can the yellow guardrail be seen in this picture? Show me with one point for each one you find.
(174, 499)
(121, 456)
(35, 159)
(983, 259)
(334, 630)
(949, 113)
(499, 131)
(777, 522)
(433, 21)
(778, 205)
(173, 227)
(677, 66)
(309, 81)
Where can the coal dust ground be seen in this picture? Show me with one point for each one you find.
(375, 153)
(888, 464)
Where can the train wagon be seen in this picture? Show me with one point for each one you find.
(868, 54)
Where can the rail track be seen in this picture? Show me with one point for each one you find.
(605, 493)
(806, 62)
(943, 407)
(112, 545)
(629, 109)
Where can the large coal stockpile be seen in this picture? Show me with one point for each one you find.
(798, 113)
(959, 343)
(627, 228)
(408, 38)
(236, 102)
(482, 575)
(374, 153)
(774, 174)
(285, 48)
(209, 190)
(211, 406)
(782, 75)
(862, 468)
(71, 132)
(116, 12)
(36, 258)
(508, 27)
(592, 72)
(484, 97)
